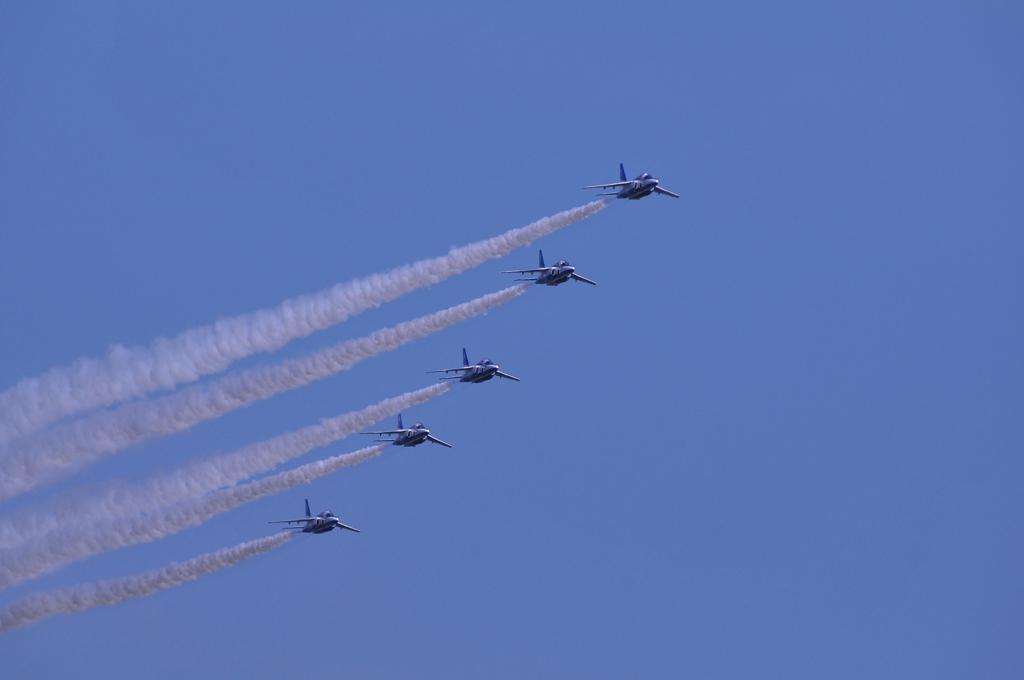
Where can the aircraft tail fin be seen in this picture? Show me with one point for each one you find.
(540, 255)
(622, 173)
(465, 357)
(308, 513)
(400, 426)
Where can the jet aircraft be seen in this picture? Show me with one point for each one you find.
(409, 436)
(481, 371)
(552, 276)
(320, 524)
(633, 189)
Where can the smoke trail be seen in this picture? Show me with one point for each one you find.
(47, 553)
(33, 461)
(127, 372)
(104, 593)
(202, 476)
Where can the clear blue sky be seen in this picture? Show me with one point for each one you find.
(781, 439)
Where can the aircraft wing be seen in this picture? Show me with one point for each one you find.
(438, 441)
(345, 526)
(289, 521)
(607, 186)
(507, 376)
(666, 192)
(447, 370)
(386, 432)
(584, 279)
(528, 271)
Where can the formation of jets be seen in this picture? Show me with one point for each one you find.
(485, 369)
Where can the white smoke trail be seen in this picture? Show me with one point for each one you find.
(127, 372)
(51, 551)
(200, 477)
(32, 461)
(104, 593)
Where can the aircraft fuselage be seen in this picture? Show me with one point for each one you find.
(556, 277)
(638, 188)
(479, 374)
(320, 525)
(414, 438)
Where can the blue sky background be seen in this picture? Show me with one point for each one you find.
(782, 438)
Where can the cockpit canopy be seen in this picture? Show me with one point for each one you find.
(646, 175)
(418, 426)
(486, 362)
(563, 263)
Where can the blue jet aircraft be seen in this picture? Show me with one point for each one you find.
(481, 371)
(409, 436)
(552, 276)
(633, 189)
(319, 524)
